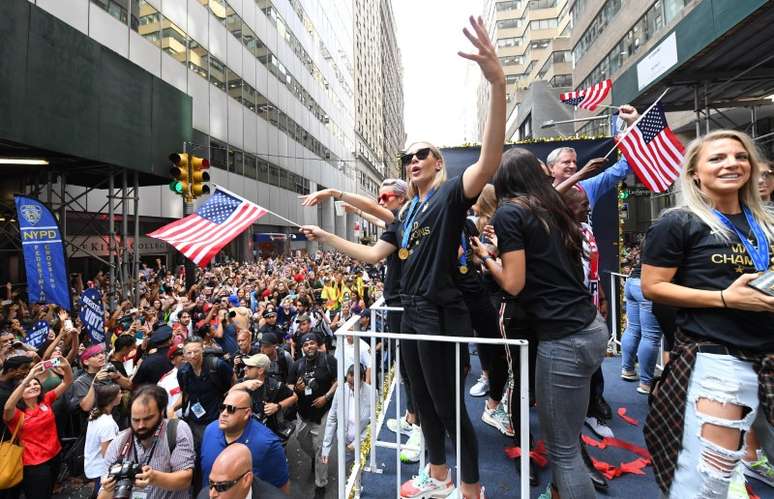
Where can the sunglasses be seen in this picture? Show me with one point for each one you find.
(226, 485)
(421, 154)
(385, 198)
(231, 409)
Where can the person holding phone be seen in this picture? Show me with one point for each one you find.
(38, 431)
(701, 257)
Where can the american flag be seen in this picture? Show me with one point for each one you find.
(588, 98)
(219, 220)
(653, 151)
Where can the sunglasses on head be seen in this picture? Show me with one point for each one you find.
(225, 485)
(421, 154)
(385, 198)
(231, 409)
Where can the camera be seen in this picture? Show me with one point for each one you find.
(110, 368)
(124, 474)
(310, 381)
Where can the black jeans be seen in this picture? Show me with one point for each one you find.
(393, 324)
(430, 367)
(483, 317)
(38, 481)
(513, 326)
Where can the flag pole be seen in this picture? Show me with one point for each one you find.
(291, 222)
(630, 128)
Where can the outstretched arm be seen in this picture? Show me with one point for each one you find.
(370, 254)
(476, 176)
(364, 203)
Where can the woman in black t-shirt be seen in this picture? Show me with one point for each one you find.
(540, 247)
(700, 257)
(428, 230)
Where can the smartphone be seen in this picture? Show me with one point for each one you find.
(68, 324)
(52, 363)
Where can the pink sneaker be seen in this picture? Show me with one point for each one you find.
(423, 485)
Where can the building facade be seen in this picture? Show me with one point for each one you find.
(393, 127)
(532, 40)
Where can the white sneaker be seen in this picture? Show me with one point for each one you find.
(598, 427)
(410, 453)
(405, 426)
(481, 387)
(425, 486)
(457, 495)
(498, 418)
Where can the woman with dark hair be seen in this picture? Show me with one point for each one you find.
(101, 430)
(540, 247)
(426, 236)
(38, 429)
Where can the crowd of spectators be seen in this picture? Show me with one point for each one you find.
(243, 356)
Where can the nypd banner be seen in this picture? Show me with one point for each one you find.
(37, 334)
(92, 314)
(44, 258)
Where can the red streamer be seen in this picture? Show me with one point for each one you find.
(628, 419)
(634, 467)
(751, 493)
(538, 454)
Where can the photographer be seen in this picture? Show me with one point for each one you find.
(246, 349)
(38, 434)
(154, 454)
(225, 330)
(81, 395)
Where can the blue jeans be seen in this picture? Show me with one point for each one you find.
(562, 378)
(642, 336)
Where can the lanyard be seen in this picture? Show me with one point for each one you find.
(758, 253)
(464, 257)
(413, 210)
(153, 449)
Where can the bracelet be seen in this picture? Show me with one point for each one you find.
(723, 299)
(341, 195)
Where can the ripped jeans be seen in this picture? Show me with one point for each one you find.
(704, 468)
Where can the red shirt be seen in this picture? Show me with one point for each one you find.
(38, 432)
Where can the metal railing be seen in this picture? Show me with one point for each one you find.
(349, 485)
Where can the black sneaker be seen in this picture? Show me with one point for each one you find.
(600, 409)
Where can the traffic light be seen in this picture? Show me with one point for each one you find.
(180, 172)
(199, 176)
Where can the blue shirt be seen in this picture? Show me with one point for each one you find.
(228, 342)
(269, 461)
(598, 185)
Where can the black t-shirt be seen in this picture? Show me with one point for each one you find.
(391, 291)
(153, 367)
(470, 282)
(435, 236)
(203, 389)
(556, 301)
(271, 391)
(704, 261)
(6, 389)
(323, 370)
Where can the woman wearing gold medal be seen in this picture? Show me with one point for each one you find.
(428, 230)
(703, 257)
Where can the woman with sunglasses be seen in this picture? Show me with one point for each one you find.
(540, 247)
(428, 231)
(701, 257)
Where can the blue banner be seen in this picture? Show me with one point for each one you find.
(44, 257)
(92, 314)
(37, 334)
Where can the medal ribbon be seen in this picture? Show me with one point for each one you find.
(464, 256)
(413, 210)
(758, 253)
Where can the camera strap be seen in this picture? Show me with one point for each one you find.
(153, 448)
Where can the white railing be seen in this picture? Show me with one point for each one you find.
(348, 486)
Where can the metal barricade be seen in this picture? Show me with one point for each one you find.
(348, 485)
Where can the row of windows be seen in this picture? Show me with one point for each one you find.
(160, 31)
(541, 4)
(509, 5)
(561, 81)
(234, 160)
(557, 57)
(513, 41)
(544, 23)
(656, 17)
(511, 60)
(596, 27)
(509, 23)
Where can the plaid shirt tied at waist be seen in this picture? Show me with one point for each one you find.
(665, 422)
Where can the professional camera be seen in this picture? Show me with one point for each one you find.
(310, 381)
(124, 474)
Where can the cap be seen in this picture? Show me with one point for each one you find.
(269, 313)
(233, 300)
(257, 360)
(16, 361)
(175, 350)
(309, 337)
(160, 335)
(269, 339)
(92, 351)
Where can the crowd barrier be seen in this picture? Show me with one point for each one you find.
(387, 374)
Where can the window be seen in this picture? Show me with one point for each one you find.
(263, 171)
(559, 81)
(543, 24)
(218, 153)
(508, 23)
(606, 14)
(541, 4)
(198, 58)
(540, 44)
(250, 165)
(218, 9)
(233, 23)
(511, 5)
(235, 164)
(511, 60)
(513, 78)
(561, 56)
(217, 73)
(513, 41)
(234, 85)
(116, 8)
(249, 97)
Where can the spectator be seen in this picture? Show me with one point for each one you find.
(303, 326)
(101, 430)
(183, 327)
(232, 477)
(314, 381)
(246, 349)
(14, 370)
(270, 324)
(156, 363)
(281, 359)
(81, 395)
(122, 347)
(349, 354)
(169, 381)
(38, 430)
(163, 448)
(235, 424)
(225, 331)
(271, 398)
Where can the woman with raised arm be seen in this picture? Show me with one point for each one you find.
(540, 247)
(426, 236)
(702, 258)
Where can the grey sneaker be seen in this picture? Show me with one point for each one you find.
(629, 375)
(599, 427)
(405, 426)
(760, 469)
(498, 418)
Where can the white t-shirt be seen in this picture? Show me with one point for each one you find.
(169, 383)
(349, 354)
(101, 430)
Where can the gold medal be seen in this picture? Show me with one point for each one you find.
(463, 269)
(403, 253)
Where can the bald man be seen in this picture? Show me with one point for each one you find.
(232, 477)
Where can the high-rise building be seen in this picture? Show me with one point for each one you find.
(378, 94)
(532, 40)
